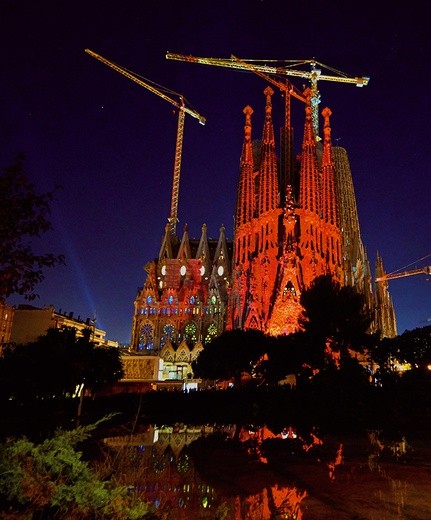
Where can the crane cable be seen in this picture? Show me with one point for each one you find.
(163, 89)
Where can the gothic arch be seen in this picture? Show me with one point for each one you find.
(168, 353)
(182, 354)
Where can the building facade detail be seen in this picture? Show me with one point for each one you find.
(290, 227)
(184, 298)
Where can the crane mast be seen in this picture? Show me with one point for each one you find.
(182, 110)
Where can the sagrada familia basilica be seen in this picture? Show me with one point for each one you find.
(295, 219)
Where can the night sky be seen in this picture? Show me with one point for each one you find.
(110, 143)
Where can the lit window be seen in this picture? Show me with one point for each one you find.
(211, 333)
(190, 331)
(146, 337)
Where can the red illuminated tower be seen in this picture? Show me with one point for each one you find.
(280, 248)
(256, 230)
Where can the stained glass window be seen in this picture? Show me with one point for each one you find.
(211, 333)
(146, 337)
(168, 333)
(190, 330)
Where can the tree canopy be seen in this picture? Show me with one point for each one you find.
(50, 480)
(296, 353)
(55, 364)
(335, 314)
(24, 217)
(412, 347)
(231, 355)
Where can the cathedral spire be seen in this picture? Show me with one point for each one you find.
(245, 204)
(184, 251)
(166, 248)
(330, 209)
(203, 252)
(309, 196)
(384, 313)
(268, 181)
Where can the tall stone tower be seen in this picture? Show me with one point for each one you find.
(384, 319)
(280, 248)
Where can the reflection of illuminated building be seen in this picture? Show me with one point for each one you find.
(157, 466)
(290, 227)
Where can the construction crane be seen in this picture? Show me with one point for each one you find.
(289, 68)
(401, 274)
(182, 110)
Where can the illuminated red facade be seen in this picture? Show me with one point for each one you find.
(292, 224)
(282, 241)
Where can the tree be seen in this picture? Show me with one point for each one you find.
(50, 480)
(295, 354)
(382, 353)
(335, 315)
(54, 365)
(414, 347)
(24, 216)
(231, 354)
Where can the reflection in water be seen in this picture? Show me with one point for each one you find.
(230, 473)
(397, 449)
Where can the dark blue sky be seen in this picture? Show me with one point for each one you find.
(110, 143)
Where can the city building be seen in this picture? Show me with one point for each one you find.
(295, 219)
(29, 323)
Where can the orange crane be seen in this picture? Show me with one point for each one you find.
(392, 276)
(288, 68)
(182, 110)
